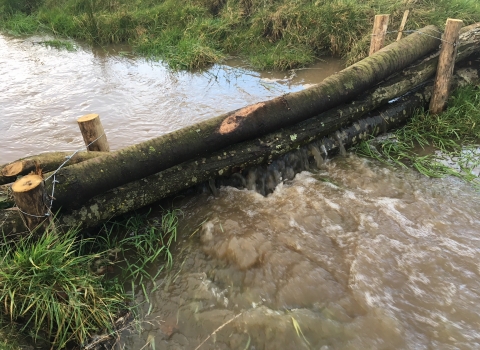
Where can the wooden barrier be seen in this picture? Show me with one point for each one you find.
(30, 197)
(402, 25)
(380, 27)
(446, 64)
(93, 133)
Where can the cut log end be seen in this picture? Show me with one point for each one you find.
(12, 169)
(27, 183)
(29, 195)
(87, 118)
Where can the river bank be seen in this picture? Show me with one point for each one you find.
(197, 33)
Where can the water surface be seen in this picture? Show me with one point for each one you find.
(43, 91)
(355, 255)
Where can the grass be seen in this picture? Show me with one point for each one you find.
(63, 289)
(454, 133)
(190, 34)
(59, 44)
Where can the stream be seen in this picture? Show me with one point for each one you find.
(350, 255)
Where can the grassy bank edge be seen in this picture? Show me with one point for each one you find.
(447, 144)
(192, 34)
(63, 288)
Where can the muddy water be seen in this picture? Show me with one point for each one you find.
(352, 256)
(43, 91)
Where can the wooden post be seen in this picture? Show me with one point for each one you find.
(29, 195)
(446, 64)
(402, 25)
(92, 129)
(380, 27)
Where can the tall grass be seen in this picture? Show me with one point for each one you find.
(49, 287)
(280, 34)
(455, 134)
(60, 287)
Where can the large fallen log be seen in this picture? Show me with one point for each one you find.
(47, 162)
(393, 87)
(82, 181)
(261, 150)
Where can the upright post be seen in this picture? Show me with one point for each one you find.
(380, 27)
(402, 25)
(30, 198)
(93, 133)
(446, 64)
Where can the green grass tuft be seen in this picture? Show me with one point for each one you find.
(63, 289)
(190, 34)
(59, 44)
(452, 132)
(49, 287)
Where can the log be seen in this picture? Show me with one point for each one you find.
(394, 86)
(262, 150)
(446, 64)
(30, 198)
(93, 133)
(47, 162)
(91, 177)
(380, 26)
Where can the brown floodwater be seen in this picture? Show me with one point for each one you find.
(354, 255)
(43, 91)
(350, 255)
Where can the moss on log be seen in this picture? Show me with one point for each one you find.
(46, 162)
(153, 188)
(94, 176)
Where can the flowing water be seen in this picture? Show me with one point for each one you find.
(43, 91)
(353, 256)
(348, 254)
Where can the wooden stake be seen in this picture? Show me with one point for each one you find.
(446, 64)
(402, 25)
(30, 197)
(92, 129)
(380, 27)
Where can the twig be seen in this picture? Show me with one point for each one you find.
(216, 330)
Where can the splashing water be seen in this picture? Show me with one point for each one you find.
(354, 256)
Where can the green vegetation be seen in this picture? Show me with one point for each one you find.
(59, 44)
(454, 133)
(61, 288)
(280, 34)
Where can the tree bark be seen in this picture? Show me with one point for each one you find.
(46, 162)
(89, 178)
(30, 198)
(393, 87)
(153, 188)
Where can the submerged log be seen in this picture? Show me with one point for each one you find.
(46, 162)
(89, 178)
(262, 150)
